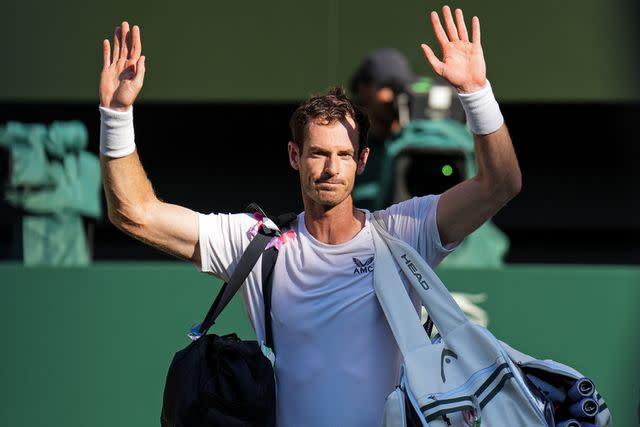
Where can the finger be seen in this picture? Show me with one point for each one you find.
(116, 44)
(475, 29)
(136, 45)
(124, 49)
(462, 28)
(436, 64)
(452, 31)
(139, 78)
(106, 53)
(441, 36)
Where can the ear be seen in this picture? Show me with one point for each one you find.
(294, 155)
(362, 161)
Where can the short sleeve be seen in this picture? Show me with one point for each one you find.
(222, 240)
(414, 221)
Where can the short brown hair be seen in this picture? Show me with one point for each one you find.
(329, 108)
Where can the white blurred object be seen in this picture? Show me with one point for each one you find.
(440, 97)
(467, 303)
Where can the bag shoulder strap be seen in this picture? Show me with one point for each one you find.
(428, 324)
(443, 310)
(246, 263)
(269, 258)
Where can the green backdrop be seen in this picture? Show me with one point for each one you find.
(203, 50)
(91, 346)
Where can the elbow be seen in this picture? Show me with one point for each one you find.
(514, 185)
(510, 188)
(116, 218)
(504, 190)
(130, 221)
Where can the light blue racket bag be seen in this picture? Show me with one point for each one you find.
(466, 377)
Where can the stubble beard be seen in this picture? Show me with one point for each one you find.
(324, 198)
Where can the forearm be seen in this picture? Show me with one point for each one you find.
(127, 189)
(466, 206)
(498, 172)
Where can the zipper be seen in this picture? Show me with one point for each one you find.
(517, 375)
(550, 368)
(466, 386)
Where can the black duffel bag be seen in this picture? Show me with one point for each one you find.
(219, 381)
(223, 380)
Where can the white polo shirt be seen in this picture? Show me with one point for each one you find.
(336, 358)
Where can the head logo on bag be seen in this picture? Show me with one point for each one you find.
(415, 272)
(443, 358)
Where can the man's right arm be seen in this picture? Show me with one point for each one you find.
(132, 204)
(134, 208)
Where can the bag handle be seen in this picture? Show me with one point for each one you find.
(442, 308)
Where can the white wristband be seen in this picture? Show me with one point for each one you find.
(482, 110)
(117, 138)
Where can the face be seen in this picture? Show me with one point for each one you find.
(328, 163)
(378, 100)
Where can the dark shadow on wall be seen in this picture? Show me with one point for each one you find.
(579, 164)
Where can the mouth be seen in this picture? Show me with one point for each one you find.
(328, 183)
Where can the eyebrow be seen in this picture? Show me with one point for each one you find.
(319, 150)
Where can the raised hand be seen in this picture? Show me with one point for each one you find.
(462, 62)
(123, 74)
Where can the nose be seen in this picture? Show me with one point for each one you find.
(331, 165)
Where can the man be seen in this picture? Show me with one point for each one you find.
(379, 77)
(336, 357)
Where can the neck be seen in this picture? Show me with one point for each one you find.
(333, 225)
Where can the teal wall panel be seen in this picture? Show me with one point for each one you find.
(91, 346)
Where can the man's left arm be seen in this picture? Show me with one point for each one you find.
(466, 206)
(469, 204)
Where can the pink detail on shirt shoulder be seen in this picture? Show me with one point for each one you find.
(276, 241)
(279, 241)
(254, 230)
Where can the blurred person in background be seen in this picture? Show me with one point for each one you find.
(379, 77)
(337, 358)
(382, 77)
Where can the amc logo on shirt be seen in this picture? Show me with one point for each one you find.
(363, 267)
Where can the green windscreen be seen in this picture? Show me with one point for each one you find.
(90, 347)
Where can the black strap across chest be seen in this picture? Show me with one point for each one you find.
(256, 249)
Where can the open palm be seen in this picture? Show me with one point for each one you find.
(123, 74)
(462, 63)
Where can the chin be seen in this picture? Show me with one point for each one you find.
(326, 201)
(330, 200)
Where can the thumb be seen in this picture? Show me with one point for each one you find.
(436, 64)
(139, 78)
